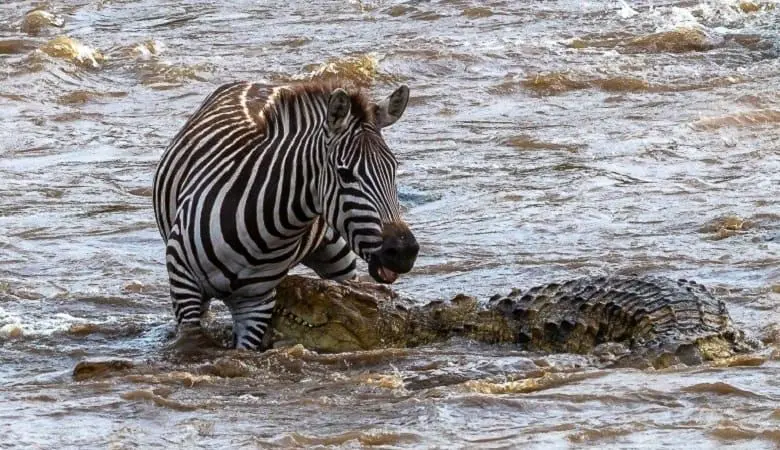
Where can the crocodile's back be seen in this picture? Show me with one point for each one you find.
(578, 315)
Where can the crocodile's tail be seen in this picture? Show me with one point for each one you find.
(649, 315)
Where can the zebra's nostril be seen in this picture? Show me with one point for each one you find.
(391, 252)
(399, 253)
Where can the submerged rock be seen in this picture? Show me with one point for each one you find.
(100, 368)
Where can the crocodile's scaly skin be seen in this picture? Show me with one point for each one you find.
(649, 314)
(655, 319)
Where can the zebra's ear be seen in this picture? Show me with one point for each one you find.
(389, 110)
(338, 109)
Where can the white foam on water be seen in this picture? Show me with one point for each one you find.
(14, 325)
(668, 19)
(148, 50)
(626, 11)
(721, 15)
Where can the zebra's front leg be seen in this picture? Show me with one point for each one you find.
(333, 259)
(251, 317)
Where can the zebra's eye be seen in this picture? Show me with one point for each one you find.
(346, 175)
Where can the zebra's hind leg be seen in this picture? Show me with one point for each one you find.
(188, 300)
(188, 307)
(191, 338)
(188, 303)
(251, 318)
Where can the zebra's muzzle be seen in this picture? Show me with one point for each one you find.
(381, 273)
(396, 256)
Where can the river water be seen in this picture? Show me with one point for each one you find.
(543, 140)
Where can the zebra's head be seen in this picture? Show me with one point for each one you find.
(360, 194)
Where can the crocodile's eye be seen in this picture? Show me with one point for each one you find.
(346, 175)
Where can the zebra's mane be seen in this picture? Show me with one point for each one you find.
(362, 107)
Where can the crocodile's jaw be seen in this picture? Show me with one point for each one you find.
(330, 317)
(333, 317)
(328, 337)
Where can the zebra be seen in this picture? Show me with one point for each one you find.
(262, 178)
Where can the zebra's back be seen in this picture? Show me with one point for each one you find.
(230, 113)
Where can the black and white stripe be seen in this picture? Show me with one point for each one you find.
(261, 178)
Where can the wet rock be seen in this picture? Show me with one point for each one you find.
(681, 40)
(133, 286)
(749, 7)
(70, 49)
(36, 21)
(226, 368)
(100, 368)
(11, 331)
(477, 12)
(726, 226)
(15, 46)
(83, 329)
(553, 83)
(362, 70)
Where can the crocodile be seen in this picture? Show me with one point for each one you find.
(638, 320)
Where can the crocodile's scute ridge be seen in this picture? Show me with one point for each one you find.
(649, 312)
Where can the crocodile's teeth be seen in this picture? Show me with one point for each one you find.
(293, 317)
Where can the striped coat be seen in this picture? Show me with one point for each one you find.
(262, 178)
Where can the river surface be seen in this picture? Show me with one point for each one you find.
(543, 140)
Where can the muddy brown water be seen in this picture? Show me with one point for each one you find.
(544, 140)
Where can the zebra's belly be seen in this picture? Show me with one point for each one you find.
(231, 263)
(235, 276)
(247, 281)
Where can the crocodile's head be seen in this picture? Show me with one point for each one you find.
(328, 316)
